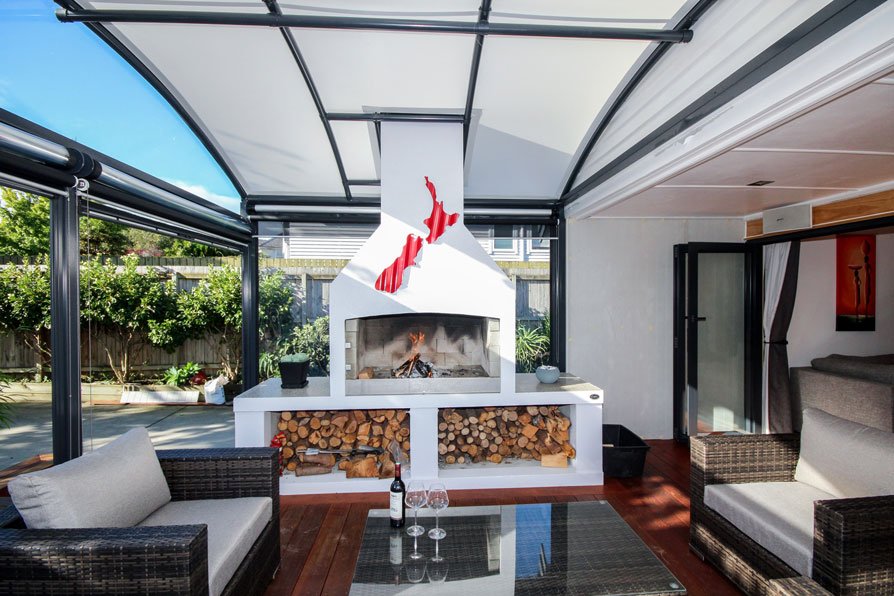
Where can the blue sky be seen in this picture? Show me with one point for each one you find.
(63, 77)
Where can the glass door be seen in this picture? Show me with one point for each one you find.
(714, 341)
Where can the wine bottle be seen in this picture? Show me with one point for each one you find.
(398, 507)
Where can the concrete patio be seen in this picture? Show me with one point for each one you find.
(169, 426)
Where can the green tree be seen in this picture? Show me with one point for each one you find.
(136, 309)
(25, 228)
(311, 338)
(25, 308)
(214, 309)
(24, 224)
(276, 300)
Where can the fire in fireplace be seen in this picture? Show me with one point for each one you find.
(432, 349)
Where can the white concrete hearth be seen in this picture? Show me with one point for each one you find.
(257, 411)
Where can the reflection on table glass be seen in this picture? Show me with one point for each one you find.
(553, 548)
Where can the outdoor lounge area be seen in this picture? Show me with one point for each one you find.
(447, 297)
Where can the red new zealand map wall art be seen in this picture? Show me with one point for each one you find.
(437, 223)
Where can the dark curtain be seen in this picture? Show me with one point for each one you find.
(779, 392)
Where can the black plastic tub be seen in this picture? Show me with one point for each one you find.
(623, 452)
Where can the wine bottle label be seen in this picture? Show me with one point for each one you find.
(396, 509)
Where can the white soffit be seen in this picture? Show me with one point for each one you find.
(827, 170)
(535, 100)
(243, 87)
(725, 38)
(838, 148)
(704, 201)
(396, 71)
(860, 121)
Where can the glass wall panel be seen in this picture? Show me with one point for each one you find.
(298, 262)
(25, 374)
(161, 337)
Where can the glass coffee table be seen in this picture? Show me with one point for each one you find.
(575, 548)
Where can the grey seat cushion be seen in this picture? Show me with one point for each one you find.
(872, 368)
(776, 515)
(117, 485)
(845, 458)
(233, 526)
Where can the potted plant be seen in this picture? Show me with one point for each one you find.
(293, 370)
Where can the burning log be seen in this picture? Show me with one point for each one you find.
(495, 434)
(414, 367)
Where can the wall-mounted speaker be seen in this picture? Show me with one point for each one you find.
(784, 219)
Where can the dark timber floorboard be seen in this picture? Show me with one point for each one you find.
(321, 533)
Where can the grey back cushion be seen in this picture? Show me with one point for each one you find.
(116, 486)
(872, 368)
(845, 458)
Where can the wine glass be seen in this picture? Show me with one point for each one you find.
(437, 569)
(437, 500)
(416, 497)
(415, 571)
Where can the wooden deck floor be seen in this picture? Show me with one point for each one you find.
(321, 533)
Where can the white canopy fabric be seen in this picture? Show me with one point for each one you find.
(536, 98)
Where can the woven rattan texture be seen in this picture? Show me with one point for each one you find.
(150, 560)
(853, 538)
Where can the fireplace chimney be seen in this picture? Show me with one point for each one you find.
(423, 261)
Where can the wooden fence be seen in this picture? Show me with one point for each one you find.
(310, 280)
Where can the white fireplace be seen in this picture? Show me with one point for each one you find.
(422, 320)
(450, 292)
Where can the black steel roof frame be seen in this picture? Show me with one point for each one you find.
(483, 17)
(204, 137)
(657, 52)
(829, 20)
(482, 28)
(274, 9)
(370, 24)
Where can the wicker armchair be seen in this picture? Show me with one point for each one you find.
(149, 560)
(853, 544)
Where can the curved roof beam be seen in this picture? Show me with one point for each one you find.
(684, 25)
(419, 25)
(273, 7)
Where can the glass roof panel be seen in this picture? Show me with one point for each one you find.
(245, 89)
(359, 149)
(434, 10)
(117, 113)
(536, 100)
(358, 71)
(366, 191)
(642, 14)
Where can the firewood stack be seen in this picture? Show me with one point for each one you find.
(344, 431)
(495, 434)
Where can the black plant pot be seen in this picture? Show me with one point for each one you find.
(293, 374)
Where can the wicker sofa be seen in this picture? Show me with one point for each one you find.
(852, 541)
(154, 559)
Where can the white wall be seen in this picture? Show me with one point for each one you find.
(812, 333)
(620, 306)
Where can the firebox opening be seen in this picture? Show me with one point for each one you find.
(428, 349)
